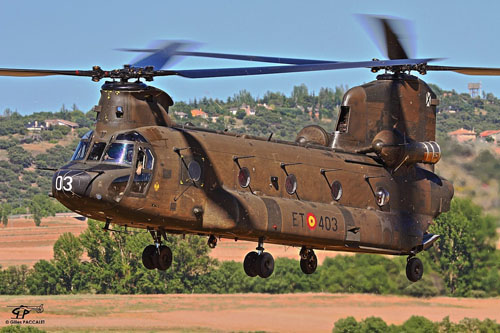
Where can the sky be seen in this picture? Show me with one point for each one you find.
(80, 34)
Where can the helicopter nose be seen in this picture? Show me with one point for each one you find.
(68, 183)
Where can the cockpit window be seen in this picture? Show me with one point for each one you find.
(131, 136)
(150, 160)
(119, 153)
(81, 151)
(83, 146)
(96, 151)
(87, 135)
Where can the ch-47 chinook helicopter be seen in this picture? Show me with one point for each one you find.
(367, 187)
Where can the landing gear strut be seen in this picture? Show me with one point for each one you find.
(157, 256)
(414, 269)
(212, 242)
(259, 262)
(308, 260)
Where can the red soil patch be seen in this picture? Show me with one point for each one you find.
(249, 312)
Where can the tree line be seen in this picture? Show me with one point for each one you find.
(415, 324)
(464, 262)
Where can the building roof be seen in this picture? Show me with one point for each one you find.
(62, 121)
(462, 131)
(488, 133)
(198, 113)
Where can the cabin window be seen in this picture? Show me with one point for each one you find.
(382, 196)
(119, 112)
(194, 170)
(291, 184)
(336, 190)
(343, 123)
(244, 177)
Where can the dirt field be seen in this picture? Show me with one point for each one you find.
(24, 243)
(241, 313)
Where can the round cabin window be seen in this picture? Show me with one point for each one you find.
(336, 190)
(291, 184)
(244, 177)
(382, 196)
(194, 170)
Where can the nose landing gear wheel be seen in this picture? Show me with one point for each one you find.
(147, 257)
(414, 269)
(164, 258)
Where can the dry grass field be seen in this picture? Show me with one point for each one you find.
(23, 243)
(236, 313)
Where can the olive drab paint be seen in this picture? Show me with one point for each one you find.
(385, 188)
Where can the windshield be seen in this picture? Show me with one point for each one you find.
(96, 151)
(119, 153)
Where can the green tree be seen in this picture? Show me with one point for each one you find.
(6, 211)
(67, 263)
(347, 325)
(465, 254)
(17, 155)
(44, 279)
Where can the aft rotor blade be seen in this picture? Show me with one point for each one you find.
(466, 70)
(42, 72)
(223, 72)
(395, 37)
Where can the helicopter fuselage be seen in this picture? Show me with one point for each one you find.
(197, 181)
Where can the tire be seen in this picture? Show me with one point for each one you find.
(265, 265)
(309, 265)
(250, 264)
(147, 257)
(164, 258)
(414, 269)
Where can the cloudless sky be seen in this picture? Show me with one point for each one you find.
(80, 34)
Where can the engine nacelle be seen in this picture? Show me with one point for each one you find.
(394, 151)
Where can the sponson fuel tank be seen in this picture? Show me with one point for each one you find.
(395, 102)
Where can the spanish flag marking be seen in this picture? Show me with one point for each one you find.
(311, 221)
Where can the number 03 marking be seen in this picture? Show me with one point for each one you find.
(64, 183)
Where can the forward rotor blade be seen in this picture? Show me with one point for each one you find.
(466, 70)
(277, 60)
(223, 72)
(168, 49)
(42, 72)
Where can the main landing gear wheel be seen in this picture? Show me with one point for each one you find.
(259, 263)
(250, 264)
(414, 269)
(157, 256)
(308, 261)
(164, 258)
(265, 264)
(147, 257)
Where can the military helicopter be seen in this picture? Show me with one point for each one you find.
(367, 187)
